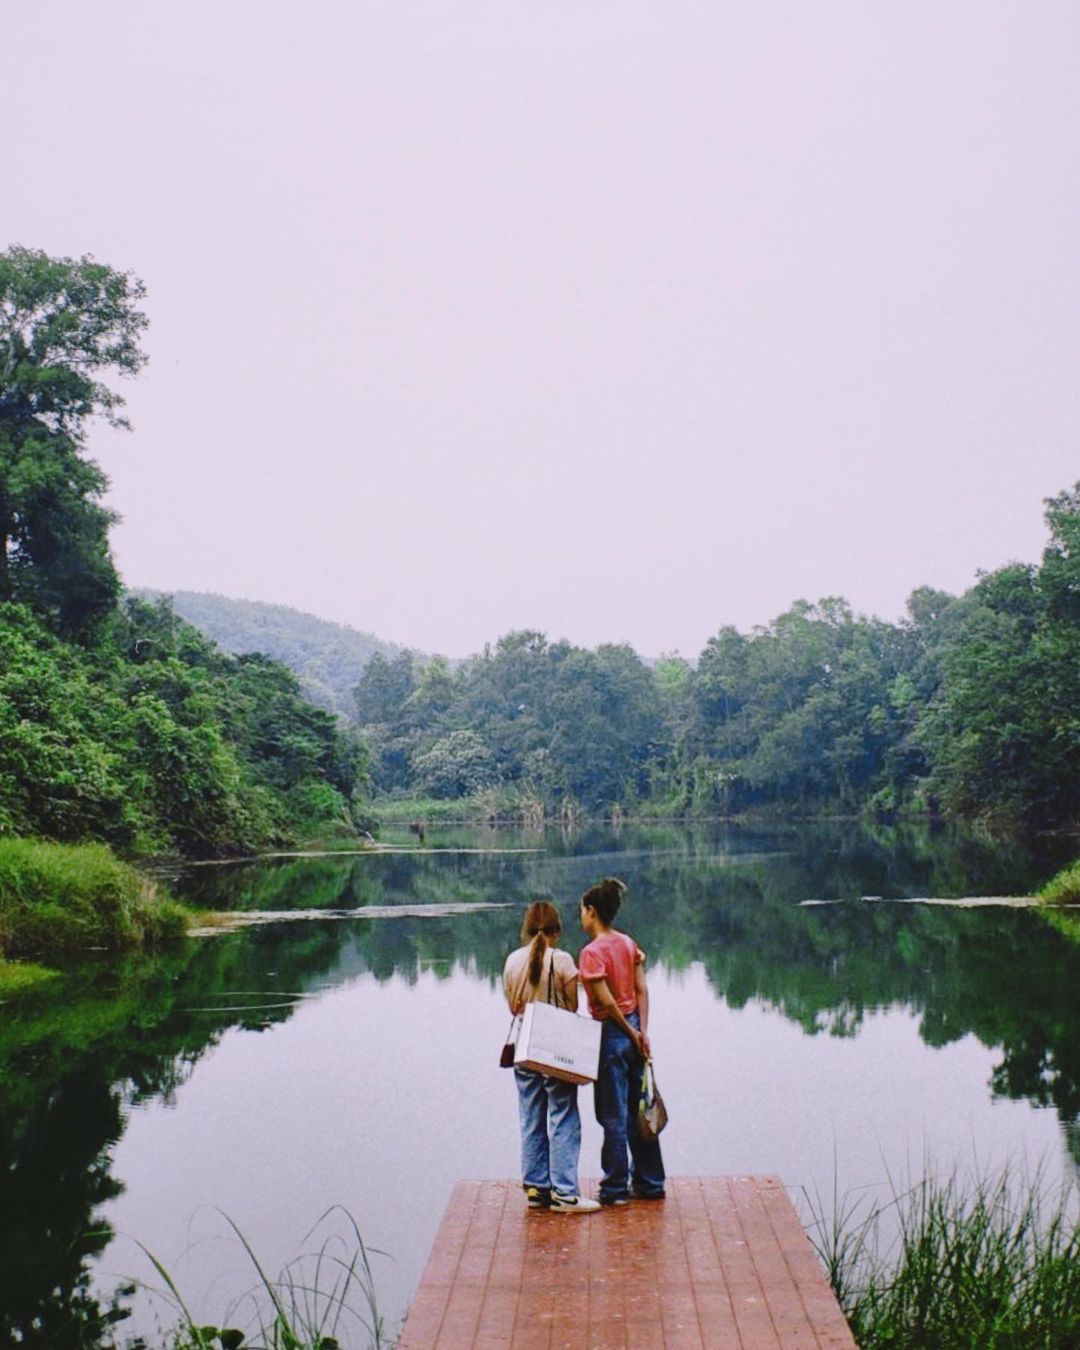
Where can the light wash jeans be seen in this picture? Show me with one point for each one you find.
(550, 1132)
(616, 1098)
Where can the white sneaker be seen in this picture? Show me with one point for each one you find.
(572, 1204)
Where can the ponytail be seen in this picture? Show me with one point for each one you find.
(537, 948)
(540, 915)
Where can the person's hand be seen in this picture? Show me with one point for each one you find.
(644, 1048)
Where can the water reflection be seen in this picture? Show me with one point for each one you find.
(73, 1062)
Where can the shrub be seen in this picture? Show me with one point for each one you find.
(1064, 888)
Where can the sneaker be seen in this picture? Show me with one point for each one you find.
(614, 1201)
(572, 1204)
(536, 1197)
(640, 1194)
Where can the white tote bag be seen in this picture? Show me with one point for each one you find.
(558, 1043)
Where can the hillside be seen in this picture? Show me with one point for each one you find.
(328, 658)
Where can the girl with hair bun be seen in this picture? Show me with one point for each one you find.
(612, 967)
(550, 1123)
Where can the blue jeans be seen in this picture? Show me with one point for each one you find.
(616, 1099)
(550, 1132)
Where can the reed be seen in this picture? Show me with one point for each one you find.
(324, 1299)
(953, 1264)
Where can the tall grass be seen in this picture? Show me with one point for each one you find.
(62, 897)
(1064, 888)
(324, 1299)
(949, 1264)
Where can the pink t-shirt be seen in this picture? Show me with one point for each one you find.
(613, 957)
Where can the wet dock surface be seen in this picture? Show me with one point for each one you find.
(722, 1264)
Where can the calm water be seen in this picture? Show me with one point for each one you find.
(279, 1071)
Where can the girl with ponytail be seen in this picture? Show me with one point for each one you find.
(550, 1124)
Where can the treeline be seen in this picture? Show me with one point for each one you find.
(970, 708)
(149, 737)
(118, 721)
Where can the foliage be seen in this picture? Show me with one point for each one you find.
(455, 766)
(120, 722)
(56, 897)
(550, 719)
(152, 739)
(17, 975)
(969, 707)
(327, 658)
(1001, 731)
(74, 1057)
(1064, 887)
(989, 1264)
(63, 323)
(319, 1296)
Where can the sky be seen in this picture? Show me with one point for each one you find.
(618, 320)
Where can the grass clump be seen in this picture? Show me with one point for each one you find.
(58, 898)
(989, 1264)
(1064, 888)
(324, 1299)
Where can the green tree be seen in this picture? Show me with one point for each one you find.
(63, 324)
(1001, 731)
(455, 765)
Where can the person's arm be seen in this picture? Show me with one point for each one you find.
(641, 993)
(567, 974)
(602, 997)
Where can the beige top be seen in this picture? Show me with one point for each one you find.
(516, 978)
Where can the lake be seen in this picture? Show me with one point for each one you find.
(275, 1072)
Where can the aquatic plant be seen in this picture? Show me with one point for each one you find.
(992, 1263)
(321, 1300)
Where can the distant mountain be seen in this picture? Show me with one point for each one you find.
(328, 658)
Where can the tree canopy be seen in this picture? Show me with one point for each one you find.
(118, 721)
(969, 707)
(64, 324)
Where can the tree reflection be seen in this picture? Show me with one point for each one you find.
(74, 1060)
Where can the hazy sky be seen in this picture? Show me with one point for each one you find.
(623, 321)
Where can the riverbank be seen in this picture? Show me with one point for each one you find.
(62, 898)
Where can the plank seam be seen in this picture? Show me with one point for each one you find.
(720, 1261)
(739, 1219)
(796, 1284)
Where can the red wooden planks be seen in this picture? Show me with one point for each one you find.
(721, 1264)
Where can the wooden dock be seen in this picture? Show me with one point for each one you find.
(722, 1264)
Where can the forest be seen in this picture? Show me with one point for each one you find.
(119, 721)
(122, 722)
(969, 708)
